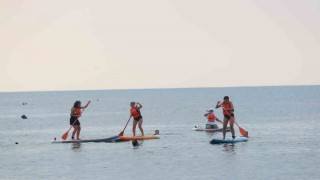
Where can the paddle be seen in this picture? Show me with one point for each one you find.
(242, 131)
(121, 133)
(65, 135)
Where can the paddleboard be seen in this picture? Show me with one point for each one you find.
(228, 140)
(110, 139)
(197, 128)
(129, 138)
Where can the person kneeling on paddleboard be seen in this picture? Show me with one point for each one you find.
(227, 109)
(136, 114)
(74, 118)
(211, 120)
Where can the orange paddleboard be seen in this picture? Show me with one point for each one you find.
(129, 138)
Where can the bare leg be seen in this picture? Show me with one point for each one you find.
(140, 126)
(231, 126)
(225, 123)
(78, 132)
(134, 127)
(74, 130)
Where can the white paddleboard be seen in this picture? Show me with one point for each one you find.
(198, 128)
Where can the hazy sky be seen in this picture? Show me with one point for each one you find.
(124, 44)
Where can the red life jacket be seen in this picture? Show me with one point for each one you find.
(227, 105)
(134, 112)
(76, 112)
(211, 117)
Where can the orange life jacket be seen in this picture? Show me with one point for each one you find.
(134, 112)
(227, 105)
(211, 117)
(76, 112)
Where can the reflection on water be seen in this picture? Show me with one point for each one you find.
(230, 148)
(210, 134)
(140, 142)
(136, 144)
(76, 146)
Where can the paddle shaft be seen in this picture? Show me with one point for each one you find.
(65, 135)
(76, 119)
(79, 116)
(121, 133)
(242, 131)
(74, 122)
(229, 115)
(127, 123)
(226, 111)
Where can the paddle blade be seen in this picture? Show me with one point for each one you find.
(121, 134)
(243, 132)
(65, 135)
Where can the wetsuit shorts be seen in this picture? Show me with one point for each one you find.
(138, 118)
(227, 115)
(72, 119)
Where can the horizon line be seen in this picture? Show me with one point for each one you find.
(157, 88)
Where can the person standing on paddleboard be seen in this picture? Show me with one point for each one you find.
(228, 109)
(211, 120)
(76, 111)
(137, 118)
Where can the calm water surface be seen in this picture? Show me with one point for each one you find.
(282, 124)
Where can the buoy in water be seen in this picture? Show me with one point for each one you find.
(24, 117)
(16, 142)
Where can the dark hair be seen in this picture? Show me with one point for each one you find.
(132, 103)
(77, 104)
(226, 97)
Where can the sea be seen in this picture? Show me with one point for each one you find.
(282, 122)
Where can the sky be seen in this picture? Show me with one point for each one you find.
(56, 45)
